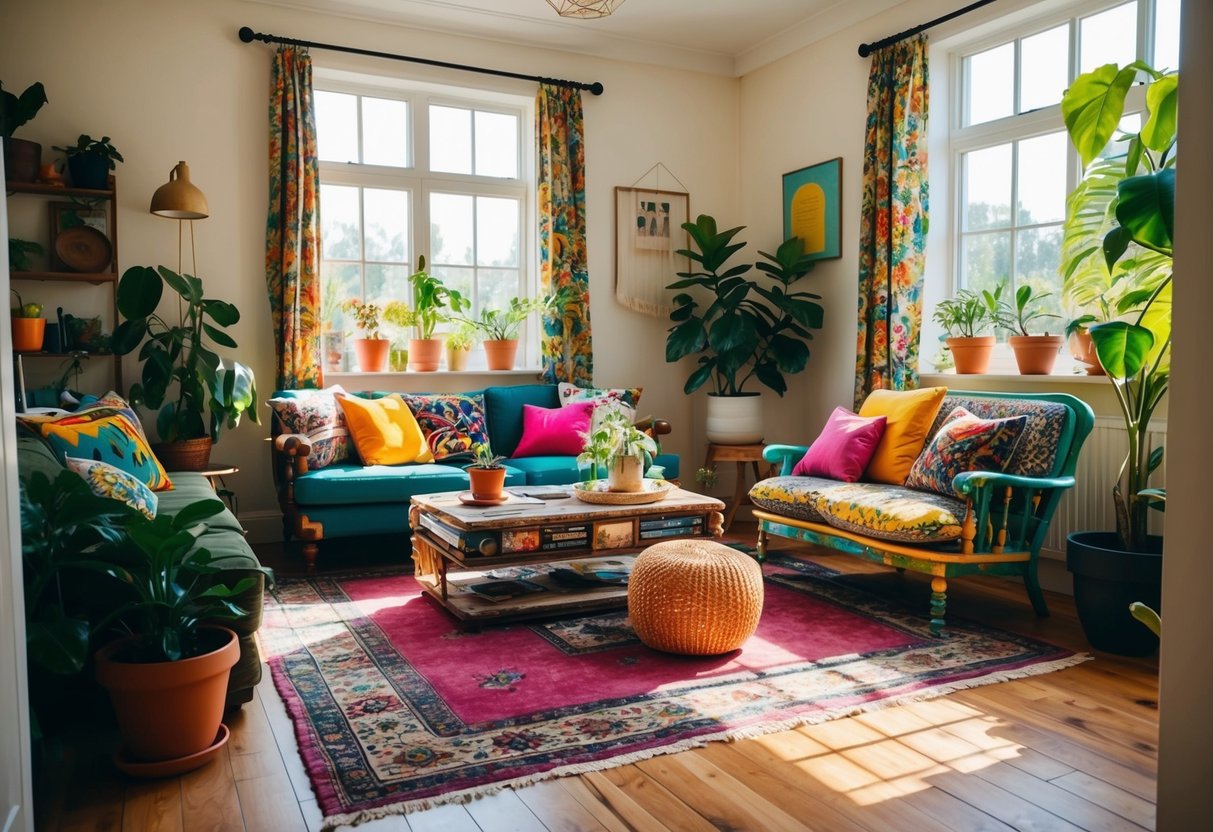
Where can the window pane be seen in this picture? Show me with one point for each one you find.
(1129, 124)
(986, 260)
(460, 280)
(450, 139)
(1042, 179)
(339, 282)
(1043, 60)
(496, 145)
(387, 224)
(385, 132)
(1166, 34)
(337, 126)
(1037, 253)
(384, 283)
(497, 287)
(451, 240)
(987, 180)
(991, 84)
(340, 227)
(1108, 38)
(496, 231)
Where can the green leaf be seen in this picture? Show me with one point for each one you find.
(219, 336)
(139, 292)
(1147, 209)
(701, 375)
(686, 338)
(1093, 105)
(1122, 347)
(733, 333)
(768, 373)
(178, 284)
(128, 335)
(58, 643)
(1115, 243)
(1155, 460)
(222, 313)
(1162, 100)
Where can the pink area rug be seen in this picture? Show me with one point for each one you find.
(396, 709)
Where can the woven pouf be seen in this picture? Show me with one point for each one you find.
(694, 597)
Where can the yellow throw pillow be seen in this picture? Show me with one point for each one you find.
(910, 414)
(385, 431)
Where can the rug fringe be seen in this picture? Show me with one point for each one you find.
(750, 732)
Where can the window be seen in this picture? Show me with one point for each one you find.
(421, 172)
(1011, 161)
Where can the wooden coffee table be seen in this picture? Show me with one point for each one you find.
(529, 558)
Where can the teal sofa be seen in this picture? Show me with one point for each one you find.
(351, 499)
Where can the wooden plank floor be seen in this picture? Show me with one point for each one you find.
(1071, 750)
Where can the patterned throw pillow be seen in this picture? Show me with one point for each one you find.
(965, 443)
(452, 422)
(106, 480)
(105, 431)
(315, 414)
(622, 399)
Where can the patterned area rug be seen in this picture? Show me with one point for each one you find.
(396, 709)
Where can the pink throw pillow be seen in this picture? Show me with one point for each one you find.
(845, 447)
(559, 431)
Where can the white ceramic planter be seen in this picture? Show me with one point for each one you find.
(735, 420)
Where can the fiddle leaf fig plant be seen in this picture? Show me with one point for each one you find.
(183, 377)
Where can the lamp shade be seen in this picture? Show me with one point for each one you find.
(585, 8)
(180, 199)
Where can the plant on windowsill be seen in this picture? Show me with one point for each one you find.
(486, 473)
(1034, 354)
(459, 345)
(964, 317)
(1116, 269)
(430, 298)
(208, 395)
(623, 449)
(371, 349)
(399, 319)
(22, 158)
(90, 160)
(500, 328)
(748, 330)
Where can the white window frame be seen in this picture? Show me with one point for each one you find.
(418, 181)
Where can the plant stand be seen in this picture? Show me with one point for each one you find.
(740, 454)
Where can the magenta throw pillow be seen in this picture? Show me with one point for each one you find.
(845, 447)
(559, 431)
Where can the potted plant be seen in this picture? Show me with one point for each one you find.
(620, 447)
(371, 349)
(29, 326)
(500, 328)
(19, 252)
(963, 317)
(747, 331)
(430, 298)
(1127, 212)
(459, 346)
(486, 473)
(22, 158)
(1034, 354)
(179, 353)
(1082, 346)
(90, 160)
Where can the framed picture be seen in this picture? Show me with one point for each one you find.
(65, 215)
(648, 235)
(812, 208)
(613, 534)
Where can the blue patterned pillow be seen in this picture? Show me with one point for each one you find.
(453, 423)
(965, 443)
(105, 480)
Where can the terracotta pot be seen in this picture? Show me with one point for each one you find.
(28, 334)
(22, 159)
(487, 483)
(1082, 350)
(168, 710)
(971, 355)
(500, 355)
(734, 420)
(1035, 354)
(457, 360)
(626, 474)
(372, 354)
(425, 354)
(184, 454)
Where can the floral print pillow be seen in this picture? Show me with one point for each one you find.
(965, 443)
(623, 399)
(453, 423)
(316, 415)
(106, 480)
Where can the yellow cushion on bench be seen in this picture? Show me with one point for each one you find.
(909, 414)
(890, 512)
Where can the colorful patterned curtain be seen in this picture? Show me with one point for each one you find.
(566, 349)
(893, 232)
(292, 240)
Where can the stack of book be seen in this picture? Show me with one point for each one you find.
(654, 528)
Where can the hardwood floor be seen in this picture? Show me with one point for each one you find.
(1071, 750)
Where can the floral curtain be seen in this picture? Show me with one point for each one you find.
(566, 349)
(292, 241)
(893, 227)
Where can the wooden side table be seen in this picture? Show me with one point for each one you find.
(215, 472)
(740, 454)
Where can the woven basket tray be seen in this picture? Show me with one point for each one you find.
(596, 491)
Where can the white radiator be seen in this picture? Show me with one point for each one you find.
(1088, 505)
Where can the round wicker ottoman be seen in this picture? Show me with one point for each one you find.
(694, 597)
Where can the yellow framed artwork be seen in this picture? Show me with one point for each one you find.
(812, 208)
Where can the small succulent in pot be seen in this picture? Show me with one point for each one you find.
(90, 160)
(485, 458)
(23, 309)
(486, 474)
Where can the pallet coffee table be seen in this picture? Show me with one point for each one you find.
(531, 558)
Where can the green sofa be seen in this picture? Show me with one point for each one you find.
(223, 538)
(351, 499)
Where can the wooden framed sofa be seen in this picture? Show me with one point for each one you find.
(995, 523)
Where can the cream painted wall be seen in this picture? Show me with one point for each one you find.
(169, 80)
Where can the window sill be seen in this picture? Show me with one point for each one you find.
(951, 379)
(358, 376)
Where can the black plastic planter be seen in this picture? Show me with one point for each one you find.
(1106, 580)
(89, 170)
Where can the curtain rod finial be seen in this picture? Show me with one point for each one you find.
(596, 88)
(246, 34)
(865, 50)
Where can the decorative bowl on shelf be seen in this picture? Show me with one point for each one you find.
(597, 491)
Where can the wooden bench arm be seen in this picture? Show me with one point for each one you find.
(785, 456)
(292, 444)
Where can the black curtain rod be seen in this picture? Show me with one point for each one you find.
(248, 36)
(866, 49)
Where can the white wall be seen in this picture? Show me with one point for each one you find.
(169, 80)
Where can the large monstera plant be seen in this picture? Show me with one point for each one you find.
(1116, 259)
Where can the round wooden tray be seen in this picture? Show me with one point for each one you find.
(596, 491)
(84, 249)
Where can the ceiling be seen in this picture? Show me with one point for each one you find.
(726, 37)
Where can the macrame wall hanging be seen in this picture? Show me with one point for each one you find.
(648, 234)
